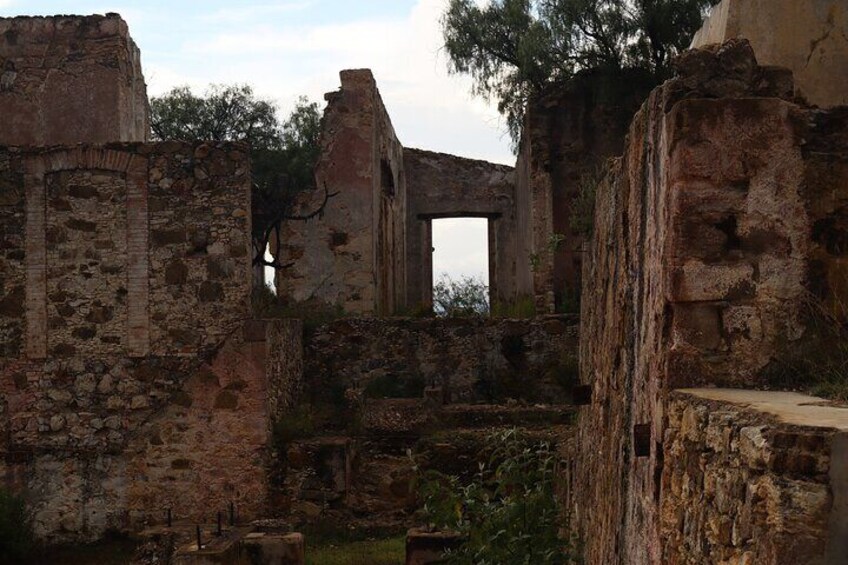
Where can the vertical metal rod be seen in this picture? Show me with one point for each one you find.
(169, 517)
(219, 523)
(232, 514)
(199, 547)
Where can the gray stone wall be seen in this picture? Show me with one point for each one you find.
(125, 270)
(70, 79)
(474, 360)
(445, 186)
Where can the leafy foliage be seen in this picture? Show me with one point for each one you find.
(17, 541)
(467, 296)
(283, 153)
(508, 513)
(514, 48)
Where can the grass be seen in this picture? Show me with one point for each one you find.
(372, 552)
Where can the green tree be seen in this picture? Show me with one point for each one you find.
(515, 48)
(467, 296)
(283, 153)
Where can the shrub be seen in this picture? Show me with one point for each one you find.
(521, 307)
(508, 513)
(17, 541)
(467, 296)
(266, 305)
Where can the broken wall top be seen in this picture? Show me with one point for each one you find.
(810, 37)
(70, 79)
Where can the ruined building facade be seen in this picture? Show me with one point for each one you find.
(131, 379)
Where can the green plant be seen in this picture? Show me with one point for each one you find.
(521, 307)
(508, 513)
(314, 313)
(467, 296)
(568, 301)
(283, 154)
(17, 540)
(555, 241)
(535, 262)
(514, 49)
(373, 552)
(582, 220)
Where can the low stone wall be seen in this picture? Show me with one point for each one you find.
(473, 360)
(754, 477)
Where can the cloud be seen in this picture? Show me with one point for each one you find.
(429, 108)
(247, 12)
(6, 4)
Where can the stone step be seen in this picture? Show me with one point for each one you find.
(488, 415)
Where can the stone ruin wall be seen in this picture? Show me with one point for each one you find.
(726, 213)
(128, 382)
(370, 250)
(445, 186)
(809, 37)
(472, 360)
(746, 484)
(568, 134)
(353, 254)
(67, 79)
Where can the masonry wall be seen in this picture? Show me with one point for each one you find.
(127, 384)
(809, 37)
(445, 186)
(568, 134)
(473, 360)
(353, 254)
(70, 79)
(703, 258)
(753, 477)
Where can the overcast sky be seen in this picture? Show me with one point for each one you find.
(289, 48)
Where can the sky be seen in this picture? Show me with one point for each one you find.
(289, 48)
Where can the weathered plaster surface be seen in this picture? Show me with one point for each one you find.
(810, 37)
(70, 79)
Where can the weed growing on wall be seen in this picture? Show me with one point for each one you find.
(508, 513)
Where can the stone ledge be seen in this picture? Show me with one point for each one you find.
(788, 407)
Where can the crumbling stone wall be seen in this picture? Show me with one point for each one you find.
(125, 282)
(353, 254)
(809, 37)
(702, 259)
(473, 360)
(445, 186)
(568, 134)
(753, 477)
(70, 79)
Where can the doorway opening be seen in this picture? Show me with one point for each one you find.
(460, 266)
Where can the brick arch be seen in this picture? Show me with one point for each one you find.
(134, 169)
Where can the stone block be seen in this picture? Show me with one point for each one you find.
(810, 37)
(275, 549)
(428, 548)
